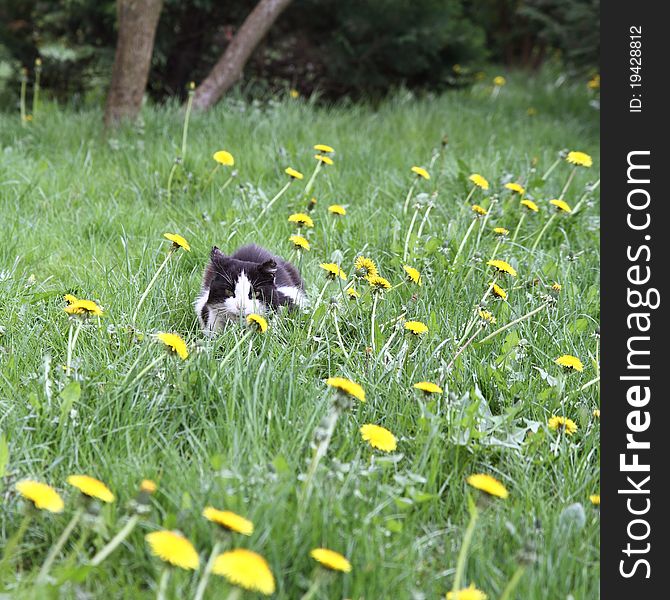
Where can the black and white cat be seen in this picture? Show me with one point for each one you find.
(251, 280)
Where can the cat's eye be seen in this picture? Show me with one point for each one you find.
(228, 293)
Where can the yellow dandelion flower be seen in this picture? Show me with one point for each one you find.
(379, 437)
(324, 148)
(293, 173)
(352, 293)
(174, 343)
(245, 569)
(499, 81)
(580, 159)
(561, 205)
(346, 386)
(69, 298)
(86, 308)
(333, 270)
(570, 362)
(228, 520)
(421, 172)
(567, 425)
(257, 322)
(487, 317)
(480, 210)
(501, 231)
(416, 327)
(326, 160)
(331, 560)
(42, 495)
(498, 292)
(177, 241)
(502, 267)
(91, 487)
(366, 266)
(428, 387)
(595, 499)
(530, 205)
(556, 287)
(596, 413)
(301, 220)
(479, 181)
(336, 209)
(531, 111)
(515, 187)
(487, 483)
(379, 283)
(299, 242)
(594, 82)
(469, 593)
(412, 274)
(148, 486)
(172, 547)
(294, 94)
(224, 158)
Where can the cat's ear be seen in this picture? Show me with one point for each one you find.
(216, 253)
(269, 267)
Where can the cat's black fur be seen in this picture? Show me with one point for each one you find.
(251, 280)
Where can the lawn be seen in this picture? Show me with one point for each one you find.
(233, 425)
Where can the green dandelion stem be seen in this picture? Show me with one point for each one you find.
(495, 250)
(405, 254)
(235, 594)
(161, 594)
(551, 168)
(211, 174)
(146, 369)
(310, 181)
(58, 546)
(36, 89)
(423, 221)
(463, 347)
(14, 541)
(484, 222)
(567, 183)
(470, 193)
(187, 118)
(463, 242)
(588, 384)
(320, 451)
(542, 231)
(513, 323)
(144, 295)
(375, 297)
(22, 106)
(173, 170)
(316, 306)
(202, 584)
(473, 320)
(71, 342)
(511, 585)
(278, 195)
(585, 196)
(518, 226)
(408, 197)
(226, 183)
(465, 547)
(122, 534)
(339, 335)
(313, 589)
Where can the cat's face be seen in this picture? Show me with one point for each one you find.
(237, 289)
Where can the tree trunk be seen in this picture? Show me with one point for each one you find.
(229, 67)
(137, 22)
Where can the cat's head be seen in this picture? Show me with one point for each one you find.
(240, 288)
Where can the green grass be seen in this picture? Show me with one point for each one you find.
(85, 214)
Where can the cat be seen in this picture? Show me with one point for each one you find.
(251, 280)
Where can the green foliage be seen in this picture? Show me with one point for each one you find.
(84, 213)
